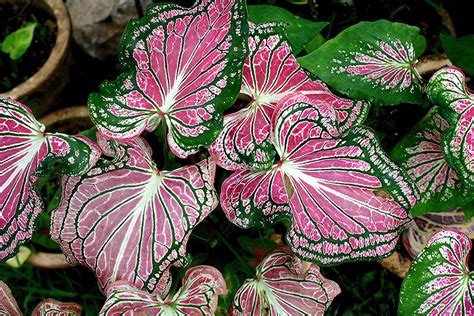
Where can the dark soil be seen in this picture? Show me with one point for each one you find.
(13, 17)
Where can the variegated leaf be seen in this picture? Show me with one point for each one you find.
(421, 154)
(25, 150)
(447, 88)
(127, 220)
(51, 307)
(423, 227)
(255, 198)
(372, 61)
(439, 281)
(8, 304)
(197, 296)
(183, 66)
(271, 72)
(348, 200)
(285, 285)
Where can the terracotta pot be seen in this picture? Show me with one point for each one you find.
(41, 90)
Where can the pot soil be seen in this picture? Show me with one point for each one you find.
(38, 77)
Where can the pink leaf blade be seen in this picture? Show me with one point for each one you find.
(51, 307)
(282, 287)
(350, 201)
(183, 67)
(25, 152)
(439, 281)
(447, 88)
(129, 207)
(8, 304)
(198, 296)
(254, 198)
(420, 152)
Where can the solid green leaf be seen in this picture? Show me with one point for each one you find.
(299, 31)
(372, 61)
(460, 51)
(315, 43)
(17, 43)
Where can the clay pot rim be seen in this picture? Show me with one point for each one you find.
(58, 53)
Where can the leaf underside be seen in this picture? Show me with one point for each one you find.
(423, 227)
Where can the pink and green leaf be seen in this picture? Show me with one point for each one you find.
(439, 281)
(255, 198)
(447, 88)
(197, 296)
(51, 307)
(183, 67)
(25, 151)
(420, 152)
(423, 227)
(371, 61)
(8, 304)
(285, 285)
(270, 73)
(348, 201)
(128, 210)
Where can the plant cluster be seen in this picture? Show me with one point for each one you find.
(206, 78)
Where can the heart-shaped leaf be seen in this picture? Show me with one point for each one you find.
(285, 285)
(182, 66)
(439, 281)
(197, 296)
(420, 153)
(372, 61)
(51, 307)
(423, 227)
(271, 72)
(25, 150)
(348, 200)
(127, 220)
(447, 88)
(8, 304)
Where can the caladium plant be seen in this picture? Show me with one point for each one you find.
(423, 227)
(183, 69)
(447, 88)
(271, 72)
(129, 210)
(298, 151)
(197, 296)
(420, 152)
(439, 281)
(48, 307)
(346, 200)
(27, 149)
(285, 285)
